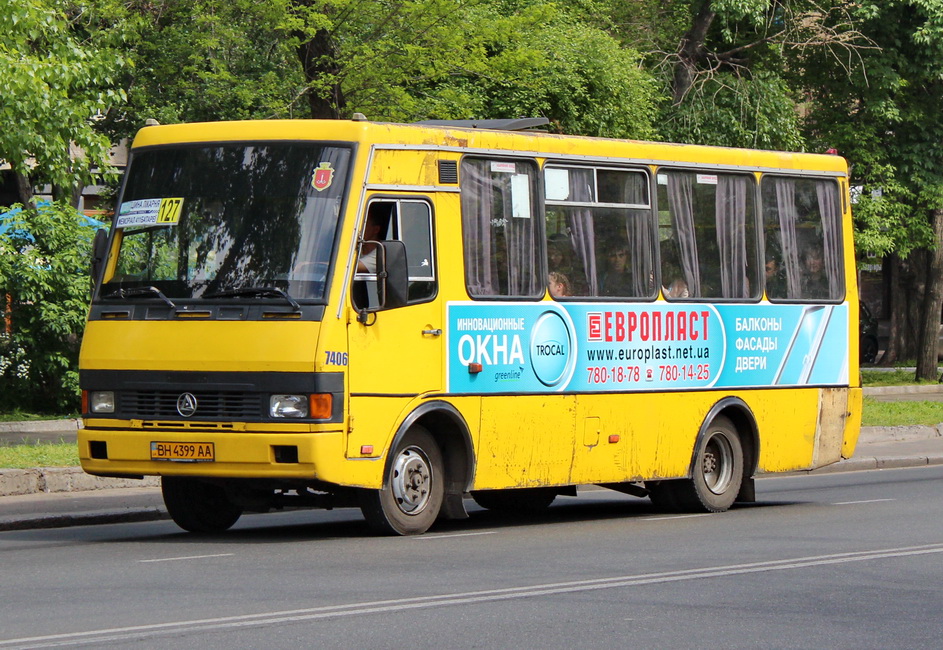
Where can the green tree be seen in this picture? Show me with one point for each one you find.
(725, 63)
(404, 60)
(205, 60)
(44, 263)
(511, 59)
(885, 117)
(60, 71)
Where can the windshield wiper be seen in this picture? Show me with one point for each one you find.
(142, 291)
(260, 292)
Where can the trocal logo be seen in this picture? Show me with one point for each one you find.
(551, 349)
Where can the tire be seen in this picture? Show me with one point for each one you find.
(521, 500)
(410, 501)
(198, 506)
(717, 473)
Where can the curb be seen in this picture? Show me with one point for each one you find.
(903, 390)
(18, 482)
(29, 426)
(126, 516)
(876, 435)
(864, 463)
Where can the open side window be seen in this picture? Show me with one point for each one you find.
(408, 222)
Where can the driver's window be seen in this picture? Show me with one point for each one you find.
(406, 220)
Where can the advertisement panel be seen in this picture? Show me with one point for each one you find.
(598, 347)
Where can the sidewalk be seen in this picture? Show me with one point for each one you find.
(33, 431)
(66, 496)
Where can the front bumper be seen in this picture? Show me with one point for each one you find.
(315, 456)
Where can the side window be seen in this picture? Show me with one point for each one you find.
(405, 220)
(500, 228)
(599, 232)
(802, 223)
(707, 235)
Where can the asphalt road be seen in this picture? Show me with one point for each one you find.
(852, 560)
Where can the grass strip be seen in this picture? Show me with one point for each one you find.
(23, 416)
(897, 377)
(63, 454)
(904, 413)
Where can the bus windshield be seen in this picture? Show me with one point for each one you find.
(230, 219)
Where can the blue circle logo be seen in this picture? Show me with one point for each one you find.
(550, 349)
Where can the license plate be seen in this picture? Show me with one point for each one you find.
(184, 452)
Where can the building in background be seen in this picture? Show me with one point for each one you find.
(94, 199)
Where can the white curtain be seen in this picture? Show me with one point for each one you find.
(681, 204)
(786, 208)
(731, 214)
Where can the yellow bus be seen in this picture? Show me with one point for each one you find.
(395, 317)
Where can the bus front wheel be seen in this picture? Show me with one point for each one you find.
(198, 506)
(411, 498)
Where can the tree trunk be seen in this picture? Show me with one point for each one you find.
(23, 187)
(72, 194)
(927, 349)
(691, 52)
(322, 69)
(895, 309)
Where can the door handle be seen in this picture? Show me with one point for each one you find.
(436, 332)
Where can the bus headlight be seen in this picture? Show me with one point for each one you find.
(102, 401)
(288, 406)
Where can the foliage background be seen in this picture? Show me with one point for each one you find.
(45, 255)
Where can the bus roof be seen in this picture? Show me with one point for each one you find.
(469, 139)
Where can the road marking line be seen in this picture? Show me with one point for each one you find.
(139, 632)
(664, 517)
(420, 538)
(186, 557)
(854, 503)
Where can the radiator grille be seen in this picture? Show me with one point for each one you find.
(229, 405)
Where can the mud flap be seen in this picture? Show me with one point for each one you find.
(747, 493)
(453, 506)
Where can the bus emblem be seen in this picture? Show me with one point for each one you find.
(186, 404)
(323, 176)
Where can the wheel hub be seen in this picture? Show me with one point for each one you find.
(411, 480)
(717, 464)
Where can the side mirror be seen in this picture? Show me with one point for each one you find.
(99, 253)
(392, 274)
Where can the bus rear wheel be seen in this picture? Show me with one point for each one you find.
(198, 506)
(718, 471)
(411, 498)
